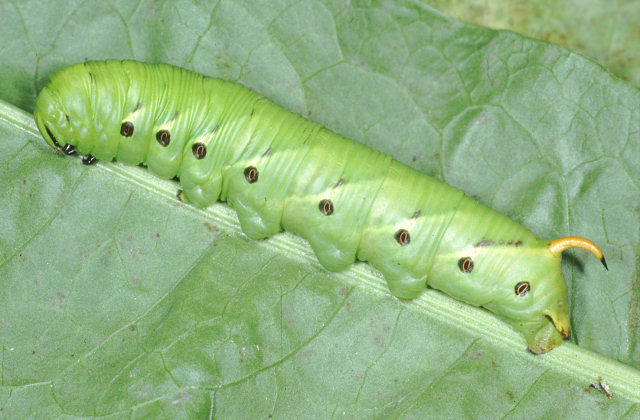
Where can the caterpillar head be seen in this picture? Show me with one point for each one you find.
(45, 115)
(62, 109)
(520, 282)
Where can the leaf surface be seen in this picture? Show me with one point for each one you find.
(119, 301)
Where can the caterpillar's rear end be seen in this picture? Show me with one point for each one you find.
(279, 170)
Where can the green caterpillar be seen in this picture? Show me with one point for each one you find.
(281, 171)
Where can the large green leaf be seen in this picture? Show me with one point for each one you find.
(602, 29)
(117, 300)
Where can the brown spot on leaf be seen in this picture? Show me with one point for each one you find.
(210, 227)
(307, 354)
(476, 355)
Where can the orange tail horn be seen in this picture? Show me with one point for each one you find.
(558, 245)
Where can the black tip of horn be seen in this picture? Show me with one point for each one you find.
(604, 262)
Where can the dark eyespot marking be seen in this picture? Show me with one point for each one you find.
(402, 237)
(522, 288)
(126, 129)
(69, 149)
(465, 264)
(163, 137)
(326, 207)
(52, 137)
(251, 174)
(199, 150)
(89, 160)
